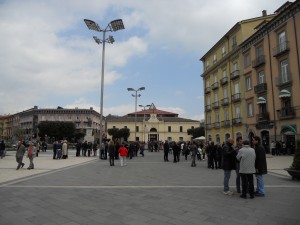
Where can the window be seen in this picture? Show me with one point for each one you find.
(250, 109)
(137, 128)
(125, 127)
(192, 127)
(180, 129)
(217, 117)
(215, 77)
(282, 41)
(234, 43)
(215, 58)
(218, 139)
(207, 83)
(226, 114)
(207, 64)
(224, 73)
(223, 51)
(169, 129)
(284, 71)
(114, 127)
(236, 88)
(247, 60)
(261, 77)
(225, 93)
(235, 66)
(248, 83)
(208, 119)
(216, 96)
(208, 100)
(237, 112)
(259, 51)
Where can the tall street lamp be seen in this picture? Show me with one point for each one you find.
(114, 25)
(135, 95)
(144, 125)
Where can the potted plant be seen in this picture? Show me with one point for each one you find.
(294, 170)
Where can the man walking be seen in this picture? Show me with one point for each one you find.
(228, 163)
(166, 151)
(19, 155)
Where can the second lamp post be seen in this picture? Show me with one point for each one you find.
(135, 95)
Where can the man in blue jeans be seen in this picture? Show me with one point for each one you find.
(228, 163)
(260, 166)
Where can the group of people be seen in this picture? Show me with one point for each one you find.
(246, 161)
(22, 148)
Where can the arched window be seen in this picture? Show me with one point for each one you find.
(153, 130)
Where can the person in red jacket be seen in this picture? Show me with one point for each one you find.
(123, 152)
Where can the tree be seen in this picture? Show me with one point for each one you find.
(117, 133)
(57, 129)
(124, 133)
(196, 132)
(113, 132)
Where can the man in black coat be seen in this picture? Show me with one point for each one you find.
(228, 163)
(166, 151)
(260, 166)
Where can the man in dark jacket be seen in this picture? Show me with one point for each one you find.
(166, 151)
(228, 163)
(260, 166)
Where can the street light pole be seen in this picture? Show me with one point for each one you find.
(135, 95)
(114, 25)
(144, 127)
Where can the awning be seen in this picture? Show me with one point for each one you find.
(284, 93)
(261, 100)
(289, 129)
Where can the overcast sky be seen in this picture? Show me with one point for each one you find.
(48, 57)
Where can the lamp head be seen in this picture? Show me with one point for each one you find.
(92, 25)
(141, 89)
(116, 25)
(130, 89)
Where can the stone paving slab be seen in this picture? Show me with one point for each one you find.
(147, 191)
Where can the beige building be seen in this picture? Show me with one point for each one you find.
(272, 77)
(153, 125)
(223, 82)
(6, 127)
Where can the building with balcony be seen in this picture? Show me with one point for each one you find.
(224, 84)
(153, 125)
(273, 105)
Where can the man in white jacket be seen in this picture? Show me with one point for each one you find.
(246, 156)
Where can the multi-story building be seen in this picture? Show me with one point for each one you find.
(272, 80)
(6, 127)
(27, 121)
(224, 84)
(153, 125)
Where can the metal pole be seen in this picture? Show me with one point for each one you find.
(102, 87)
(135, 115)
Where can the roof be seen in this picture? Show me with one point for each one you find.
(153, 110)
(127, 119)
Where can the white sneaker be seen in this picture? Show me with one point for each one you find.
(228, 193)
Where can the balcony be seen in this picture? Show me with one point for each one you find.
(284, 80)
(208, 126)
(235, 75)
(286, 113)
(260, 60)
(217, 125)
(215, 105)
(224, 81)
(207, 108)
(225, 123)
(236, 97)
(77, 121)
(237, 121)
(225, 101)
(207, 90)
(260, 88)
(262, 117)
(281, 49)
(215, 86)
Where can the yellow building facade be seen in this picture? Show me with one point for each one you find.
(153, 125)
(223, 82)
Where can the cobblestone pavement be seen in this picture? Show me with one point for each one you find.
(148, 191)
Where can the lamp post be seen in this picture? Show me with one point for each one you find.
(135, 95)
(144, 108)
(114, 25)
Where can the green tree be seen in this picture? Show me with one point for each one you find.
(113, 132)
(196, 132)
(117, 133)
(57, 129)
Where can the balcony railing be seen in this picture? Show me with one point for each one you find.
(286, 113)
(260, 88)
(208, 126)
(225, 123)
(215, 105)
(234, 75)
(215, 85)
(224, 81)
(284, 79)
(237, 121)
(260, 60)
(262, 117)
(207, 90)
(207, 108)
(217, 125)
(225, 101)
(236, 97)
(281, 48)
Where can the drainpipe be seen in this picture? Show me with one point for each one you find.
(272, 86)
(297, 49)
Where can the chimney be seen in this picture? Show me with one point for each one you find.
(264, 13)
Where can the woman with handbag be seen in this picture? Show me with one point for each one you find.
(31, 152)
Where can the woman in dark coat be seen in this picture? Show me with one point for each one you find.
(260, 166)
(111, 153)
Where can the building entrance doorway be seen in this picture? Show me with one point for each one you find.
(265, 139)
